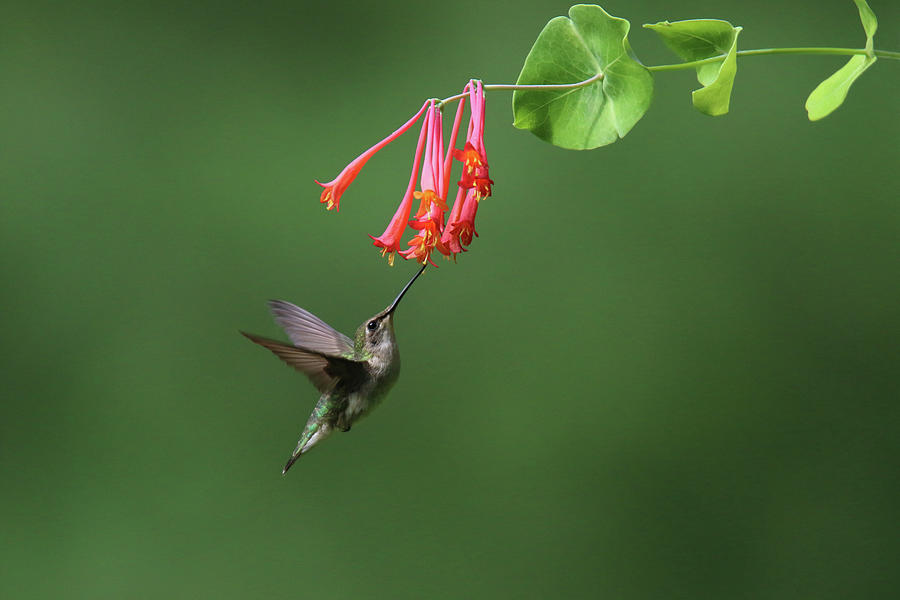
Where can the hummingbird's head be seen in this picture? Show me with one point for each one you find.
(376, 336)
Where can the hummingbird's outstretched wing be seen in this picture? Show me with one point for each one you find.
(322, 369)
(309, 331)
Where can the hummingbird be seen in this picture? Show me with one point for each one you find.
(353, 376)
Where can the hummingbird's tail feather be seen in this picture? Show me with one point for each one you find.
(315, 432)
(290, 462)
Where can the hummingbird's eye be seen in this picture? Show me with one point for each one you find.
(372, 325)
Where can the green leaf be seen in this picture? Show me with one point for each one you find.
(699, 39)
(832, 92)
(869, 22)
(575, 48)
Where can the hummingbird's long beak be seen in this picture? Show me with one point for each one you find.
(393, 306)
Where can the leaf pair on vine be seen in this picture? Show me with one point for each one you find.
(591, 44)
(831, 93)
(701, 39)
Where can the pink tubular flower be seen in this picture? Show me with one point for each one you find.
(474, 183)
(389, 241)
(472, 163)
(432, 182)
(463, 228)
(334, 189)
(449, 239)
(449, 245)
(473, 155)
(429, 221)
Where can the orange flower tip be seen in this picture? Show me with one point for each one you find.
(418, 242)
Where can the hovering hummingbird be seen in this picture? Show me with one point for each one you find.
(352, 375)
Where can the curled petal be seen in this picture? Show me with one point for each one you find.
(430, 228)
(473, 164)
(482, 187)
(423, 244)
(429, 198)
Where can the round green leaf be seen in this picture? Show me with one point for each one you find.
(575, 48)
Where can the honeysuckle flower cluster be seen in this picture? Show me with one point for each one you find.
(434, 229)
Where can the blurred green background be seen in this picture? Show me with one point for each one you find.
(666, 369)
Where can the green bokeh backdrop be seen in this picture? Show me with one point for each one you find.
(667, 368)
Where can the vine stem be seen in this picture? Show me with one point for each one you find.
(511, 86)
(764, 51)
(686, 65)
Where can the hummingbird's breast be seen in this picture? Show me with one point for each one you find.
(383, 375)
